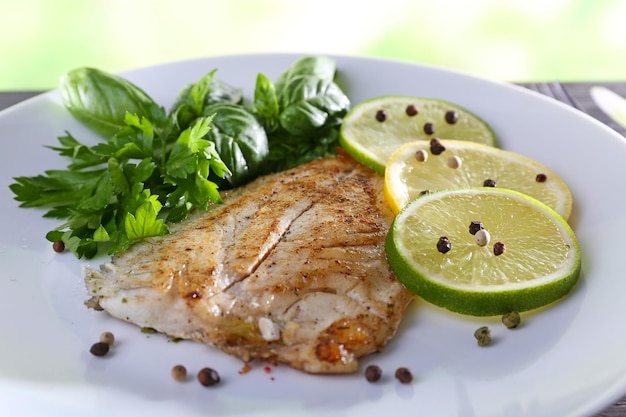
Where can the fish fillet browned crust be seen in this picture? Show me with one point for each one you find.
(290, 269)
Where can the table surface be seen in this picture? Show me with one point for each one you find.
(575, 94)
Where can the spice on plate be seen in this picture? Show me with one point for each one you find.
(179, 373)
(108, 338)
(498, 248)
(511, 319)
(483, 336)
(208, 377)
(482, 237)
(99, 349)
(404, 375)
(444, 245)
(411, 110)
(373, 373)
(490, 183)
(454, 162)
(58, 246)
(452, 116)
(436, 147)
(421, 155)
(475, 226)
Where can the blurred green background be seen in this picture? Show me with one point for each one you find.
(513, 40)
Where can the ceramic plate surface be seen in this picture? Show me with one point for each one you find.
(567, 360)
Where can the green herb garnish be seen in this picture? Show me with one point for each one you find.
(155, 166)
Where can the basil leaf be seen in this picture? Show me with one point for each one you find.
(101, 100)
(266, 103)
(240, 141)
(193, 98)
(319, 66)
(310, 103)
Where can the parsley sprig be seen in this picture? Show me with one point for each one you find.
(114, 193)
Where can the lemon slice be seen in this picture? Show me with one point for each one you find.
(373, 129)
(414, 169)
(483, 251)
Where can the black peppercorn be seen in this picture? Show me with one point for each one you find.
(411, 110)
(373, 373)
(489, 183)
(452, 116)
(208, 377)
(436, 147)
(429, 128)
(444, 244)
(498, 248)
(99, 349)
(381, 115)
(404, 375)
(475, 226)
(541, 178)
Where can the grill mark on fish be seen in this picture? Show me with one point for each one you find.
(301, 250)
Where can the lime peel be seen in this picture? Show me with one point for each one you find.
(370, 139)
(415, 266)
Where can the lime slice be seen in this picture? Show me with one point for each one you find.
(531, 257)
(373, 129)
(413, 169)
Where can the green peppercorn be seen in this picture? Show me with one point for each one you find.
(483, 336)
(511, 319)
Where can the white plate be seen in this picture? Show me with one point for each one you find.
(567, 360)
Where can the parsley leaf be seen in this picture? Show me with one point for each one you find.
(120, 191)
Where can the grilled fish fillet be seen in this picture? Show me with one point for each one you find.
(290, 269)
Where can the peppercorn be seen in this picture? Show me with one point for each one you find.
(208, 377)
(424, 192)
(373, 373)
(483, 336)
(179, 373)
(108, 338)
(381, 115)
(454, 162)
(429, 128)
(511, 319)
(475, 226)
(411, 110)
(99, 349)
(58, 246)
(482, 237)
(541, 178)
(498, 248)
(489, 183)
(443, 244)
(421, 155)
(436, 147)
(404, 375)
(452, 116)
